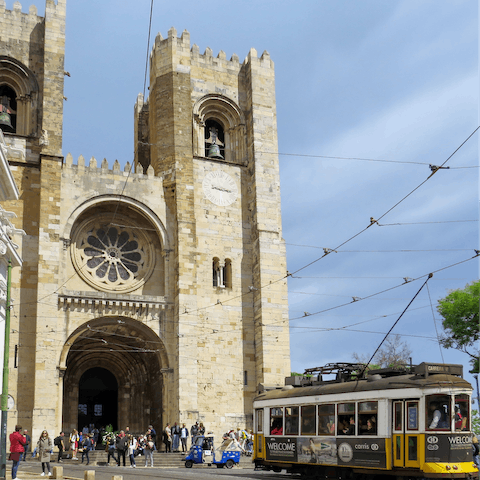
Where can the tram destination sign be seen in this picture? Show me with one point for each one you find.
(448, 448)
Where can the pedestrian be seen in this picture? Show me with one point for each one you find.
(17, 443)
(58, 442)
(74, 438)
(121, 444)
(27, 447)
(201, 429)
(132, 445)
(167, 438)
(87, 445)
(110, 448)
(175, 436)
(475, 450)
(44, 447)
(183, 437)
(153, 433)
(194, 432)
(148, 451)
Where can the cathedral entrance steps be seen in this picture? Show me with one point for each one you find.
(160, 460)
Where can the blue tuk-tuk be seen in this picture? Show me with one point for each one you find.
(203, 451)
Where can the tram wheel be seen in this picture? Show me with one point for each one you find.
(188, 464)
(230, 463)
(277, 469)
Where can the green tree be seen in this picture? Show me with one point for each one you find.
(459, 310)
(475, 423)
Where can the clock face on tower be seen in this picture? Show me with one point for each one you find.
(220, 188)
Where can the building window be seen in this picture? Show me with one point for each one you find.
(214, 140)
(8, 109)
(222, 273)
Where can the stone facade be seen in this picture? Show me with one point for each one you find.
(154, 293)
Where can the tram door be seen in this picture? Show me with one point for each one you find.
(406, 438)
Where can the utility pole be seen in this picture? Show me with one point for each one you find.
(4, 404)
(478, 393)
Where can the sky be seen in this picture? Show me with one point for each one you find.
(369, 94)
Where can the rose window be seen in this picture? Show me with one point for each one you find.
(112, 257)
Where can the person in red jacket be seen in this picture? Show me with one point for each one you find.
(17, 442)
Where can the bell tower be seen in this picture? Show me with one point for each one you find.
(208, 129)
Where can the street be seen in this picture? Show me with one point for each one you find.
(30, 471)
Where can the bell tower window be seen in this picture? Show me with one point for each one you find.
(8, 109)
(214, 140)
(222, 273)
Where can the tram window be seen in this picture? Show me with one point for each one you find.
(308, 420)
(438, 412)
(259, 414)
(462, 418)
(276, 421)
(326, 419)
(346, 419)
(367, 418)
(398, 413)
(291, 420)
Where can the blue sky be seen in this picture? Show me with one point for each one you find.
(395, 81)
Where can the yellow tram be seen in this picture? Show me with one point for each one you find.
(409, 422)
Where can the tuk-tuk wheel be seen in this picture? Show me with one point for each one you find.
(188, 464)
(230, 463)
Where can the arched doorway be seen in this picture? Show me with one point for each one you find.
(98, 398)
(113, 362)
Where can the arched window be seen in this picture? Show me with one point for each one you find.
(217, 118)
(214, 140)
(19, 93)
(8, 109)
(222, 273)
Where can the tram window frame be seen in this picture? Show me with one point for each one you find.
(259, 420)
(445, 421)
(276, 420)
(398, 416)
(462, 400)
(292, 420)
(326, 419)
(367, 411)
(345, 413)
(308, 419)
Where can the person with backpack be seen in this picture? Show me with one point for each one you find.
(58, 442)
(110, 448)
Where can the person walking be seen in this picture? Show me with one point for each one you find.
(110, 448)
(17, 443)
(58, 442)
(27, 445)
(87, 445)
(44, 447)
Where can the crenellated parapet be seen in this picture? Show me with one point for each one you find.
(93, 167)
(176, 51)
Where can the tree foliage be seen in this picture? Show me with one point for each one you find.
(475, 423)
(460, 312)
(393, 353)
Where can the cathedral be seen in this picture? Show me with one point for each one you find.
(153, 292)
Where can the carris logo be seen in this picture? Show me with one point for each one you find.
(432, 447)
(432, 439)
(374, 446)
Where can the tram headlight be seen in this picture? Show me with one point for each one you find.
(455, 467)
(448, 467)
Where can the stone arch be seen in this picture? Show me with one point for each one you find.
(23, 82)
(228, 114)
(133, 353)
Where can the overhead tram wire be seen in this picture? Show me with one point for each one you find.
(374, 221)
(430, 275)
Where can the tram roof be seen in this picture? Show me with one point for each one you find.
(373, 383)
